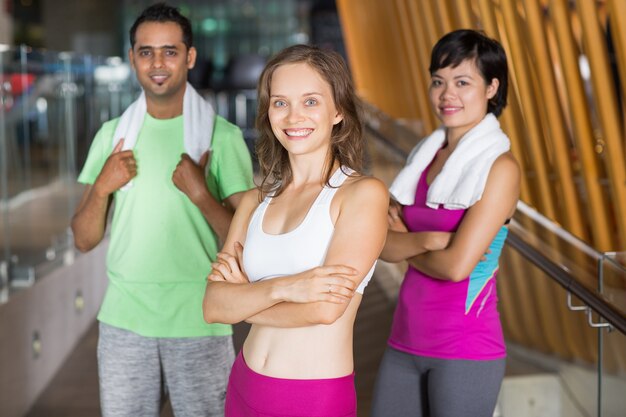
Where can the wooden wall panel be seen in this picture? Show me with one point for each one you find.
(605, 101)
(567, 131)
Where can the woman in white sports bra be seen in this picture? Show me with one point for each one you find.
(302, 246)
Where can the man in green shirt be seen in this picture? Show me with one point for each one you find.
(174, 201)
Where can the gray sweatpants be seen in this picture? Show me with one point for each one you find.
(418, 386)
(134, 370)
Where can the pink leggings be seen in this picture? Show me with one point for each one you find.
(250, 394)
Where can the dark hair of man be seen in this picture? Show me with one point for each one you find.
(162, 13)
(488, 55)
(346, 142)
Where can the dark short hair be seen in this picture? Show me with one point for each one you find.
(163, 13)
(489, 56)
(346, 142)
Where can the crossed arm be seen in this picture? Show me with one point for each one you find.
(302, 299)
(456, 260)
(402, 244)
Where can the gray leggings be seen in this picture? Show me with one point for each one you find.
(134, 370)
(418, 386)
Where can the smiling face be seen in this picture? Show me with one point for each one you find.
(161, 61)
(302, 111)
(459, 97)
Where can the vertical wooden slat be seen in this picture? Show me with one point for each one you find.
(440, 22)
(445, 16)
(578, 345)
(526, 88)
(514, 113)
(570, 213)
(428, 18)
(617, 16)
(606, 103)
(402, 73)
(373, 35)
(423, 53)
(582, 128)
(386, 46)
(464, 14)
(526, 96)
(511, 117)
(455, 19)
(396, 62)
(402, 59)
(569, 205)
(378, 42)
(417, 83)
(355, 47)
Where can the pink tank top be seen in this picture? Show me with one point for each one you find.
(445, 319)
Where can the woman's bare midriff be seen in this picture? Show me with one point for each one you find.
(312, 352)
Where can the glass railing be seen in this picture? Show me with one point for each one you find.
(569, 303)
(238, 105)
(562, 304)
(51, 105)
(612, 345)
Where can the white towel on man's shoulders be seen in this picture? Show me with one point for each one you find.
(198, 121)
(462, 179)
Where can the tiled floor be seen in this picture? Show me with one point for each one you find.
(74, 390)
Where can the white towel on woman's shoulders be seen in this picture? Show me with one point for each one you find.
(198, 120)
(462, 179)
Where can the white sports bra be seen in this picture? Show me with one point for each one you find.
(270, 256)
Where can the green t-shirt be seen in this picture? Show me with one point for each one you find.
(161, 245)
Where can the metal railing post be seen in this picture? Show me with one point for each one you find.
(4, 193)
(600, 336)
(25, 111)
(69, 92)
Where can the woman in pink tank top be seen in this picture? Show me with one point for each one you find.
(312, 232)
(446, 352)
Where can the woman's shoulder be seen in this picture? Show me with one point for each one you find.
(251, 199)
(362, 197)
(504, 177)
(363, 187)
(506, 164)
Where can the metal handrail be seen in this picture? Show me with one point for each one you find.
(592, 299)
